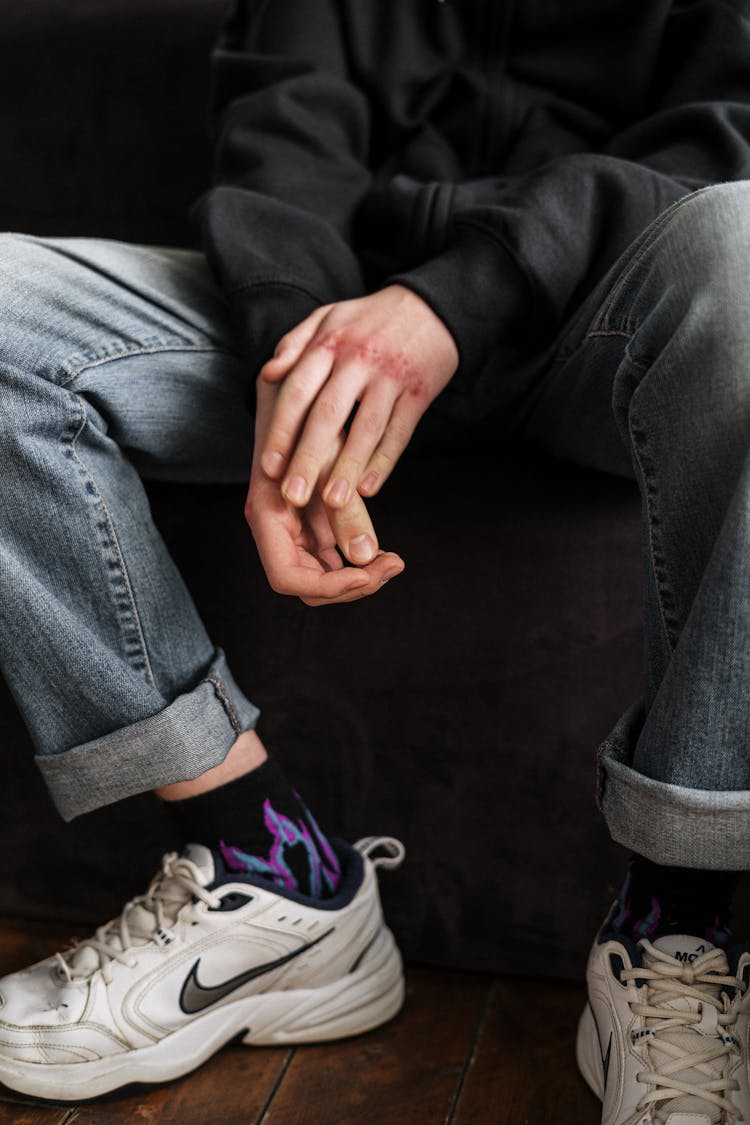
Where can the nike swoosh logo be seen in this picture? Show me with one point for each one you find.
(606, 1058)
(194, 996)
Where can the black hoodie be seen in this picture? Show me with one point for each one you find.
(495, 156)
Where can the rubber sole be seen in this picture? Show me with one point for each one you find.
(356, 1003)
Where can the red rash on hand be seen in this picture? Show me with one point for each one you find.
(398, 367)
(332, 341)
(402, 371)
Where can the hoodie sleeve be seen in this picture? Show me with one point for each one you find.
(293, 134)
(532, 252)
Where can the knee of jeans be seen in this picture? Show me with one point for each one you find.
(15, 249)
(689, 353)
(691, 284)
(705, 248)
(32, 324)
(21, 404)
(21, 267)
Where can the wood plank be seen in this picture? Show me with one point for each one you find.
(407, 1071)
(233, 1087)
(523, 1069)
(20, 1113)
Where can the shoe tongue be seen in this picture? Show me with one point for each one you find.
(203, 860)
(685, 948)
(142, 921)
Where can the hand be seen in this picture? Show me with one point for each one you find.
(390, 353)
(298, 548)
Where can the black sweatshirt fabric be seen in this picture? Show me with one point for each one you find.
(495, 156)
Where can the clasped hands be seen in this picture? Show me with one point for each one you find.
(387, 354)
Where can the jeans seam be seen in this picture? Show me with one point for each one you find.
(224, 699)
(648, 490)
(129, 353)
(111, 541)
(601, 768)
(628, 335)
(649, 495)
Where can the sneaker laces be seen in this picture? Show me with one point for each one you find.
(141, 920)
(688, 1019)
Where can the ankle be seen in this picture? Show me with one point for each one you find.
(260, 826)
(246, 754)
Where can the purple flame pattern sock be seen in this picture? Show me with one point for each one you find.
(657, 900)
(262, 827)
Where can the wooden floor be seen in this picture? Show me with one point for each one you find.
(467, 1049)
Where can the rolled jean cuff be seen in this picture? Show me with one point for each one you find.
(191, 735)
(670, 824)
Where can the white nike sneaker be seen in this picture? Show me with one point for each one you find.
(203, 957)
(663, 1039)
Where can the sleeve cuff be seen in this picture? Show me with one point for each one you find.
(262, 313)
(479, 292)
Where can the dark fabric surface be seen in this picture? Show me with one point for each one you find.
(459, 710)
(462, 707)
(104, 122)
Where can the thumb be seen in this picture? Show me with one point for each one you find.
(351, 525)
(354, 531)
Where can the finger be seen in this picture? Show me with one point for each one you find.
(398, 434)
(330, 558)
(322, 586)
(275, 539)
(325, 542)
(292, 404)
(319, 523)
(366, 432)
(291, 346)
(380, 571)
(321, 431)
(354, 531)
(286, 575)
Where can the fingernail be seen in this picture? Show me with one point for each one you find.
(361, 549)
(296, 490)
(272, 463)
(339, 493)
(370, 481)
(387, 577)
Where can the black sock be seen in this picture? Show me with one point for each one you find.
(262, 827)
(655, 901)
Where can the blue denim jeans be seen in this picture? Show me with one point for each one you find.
(652, 379)
(117, 363)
